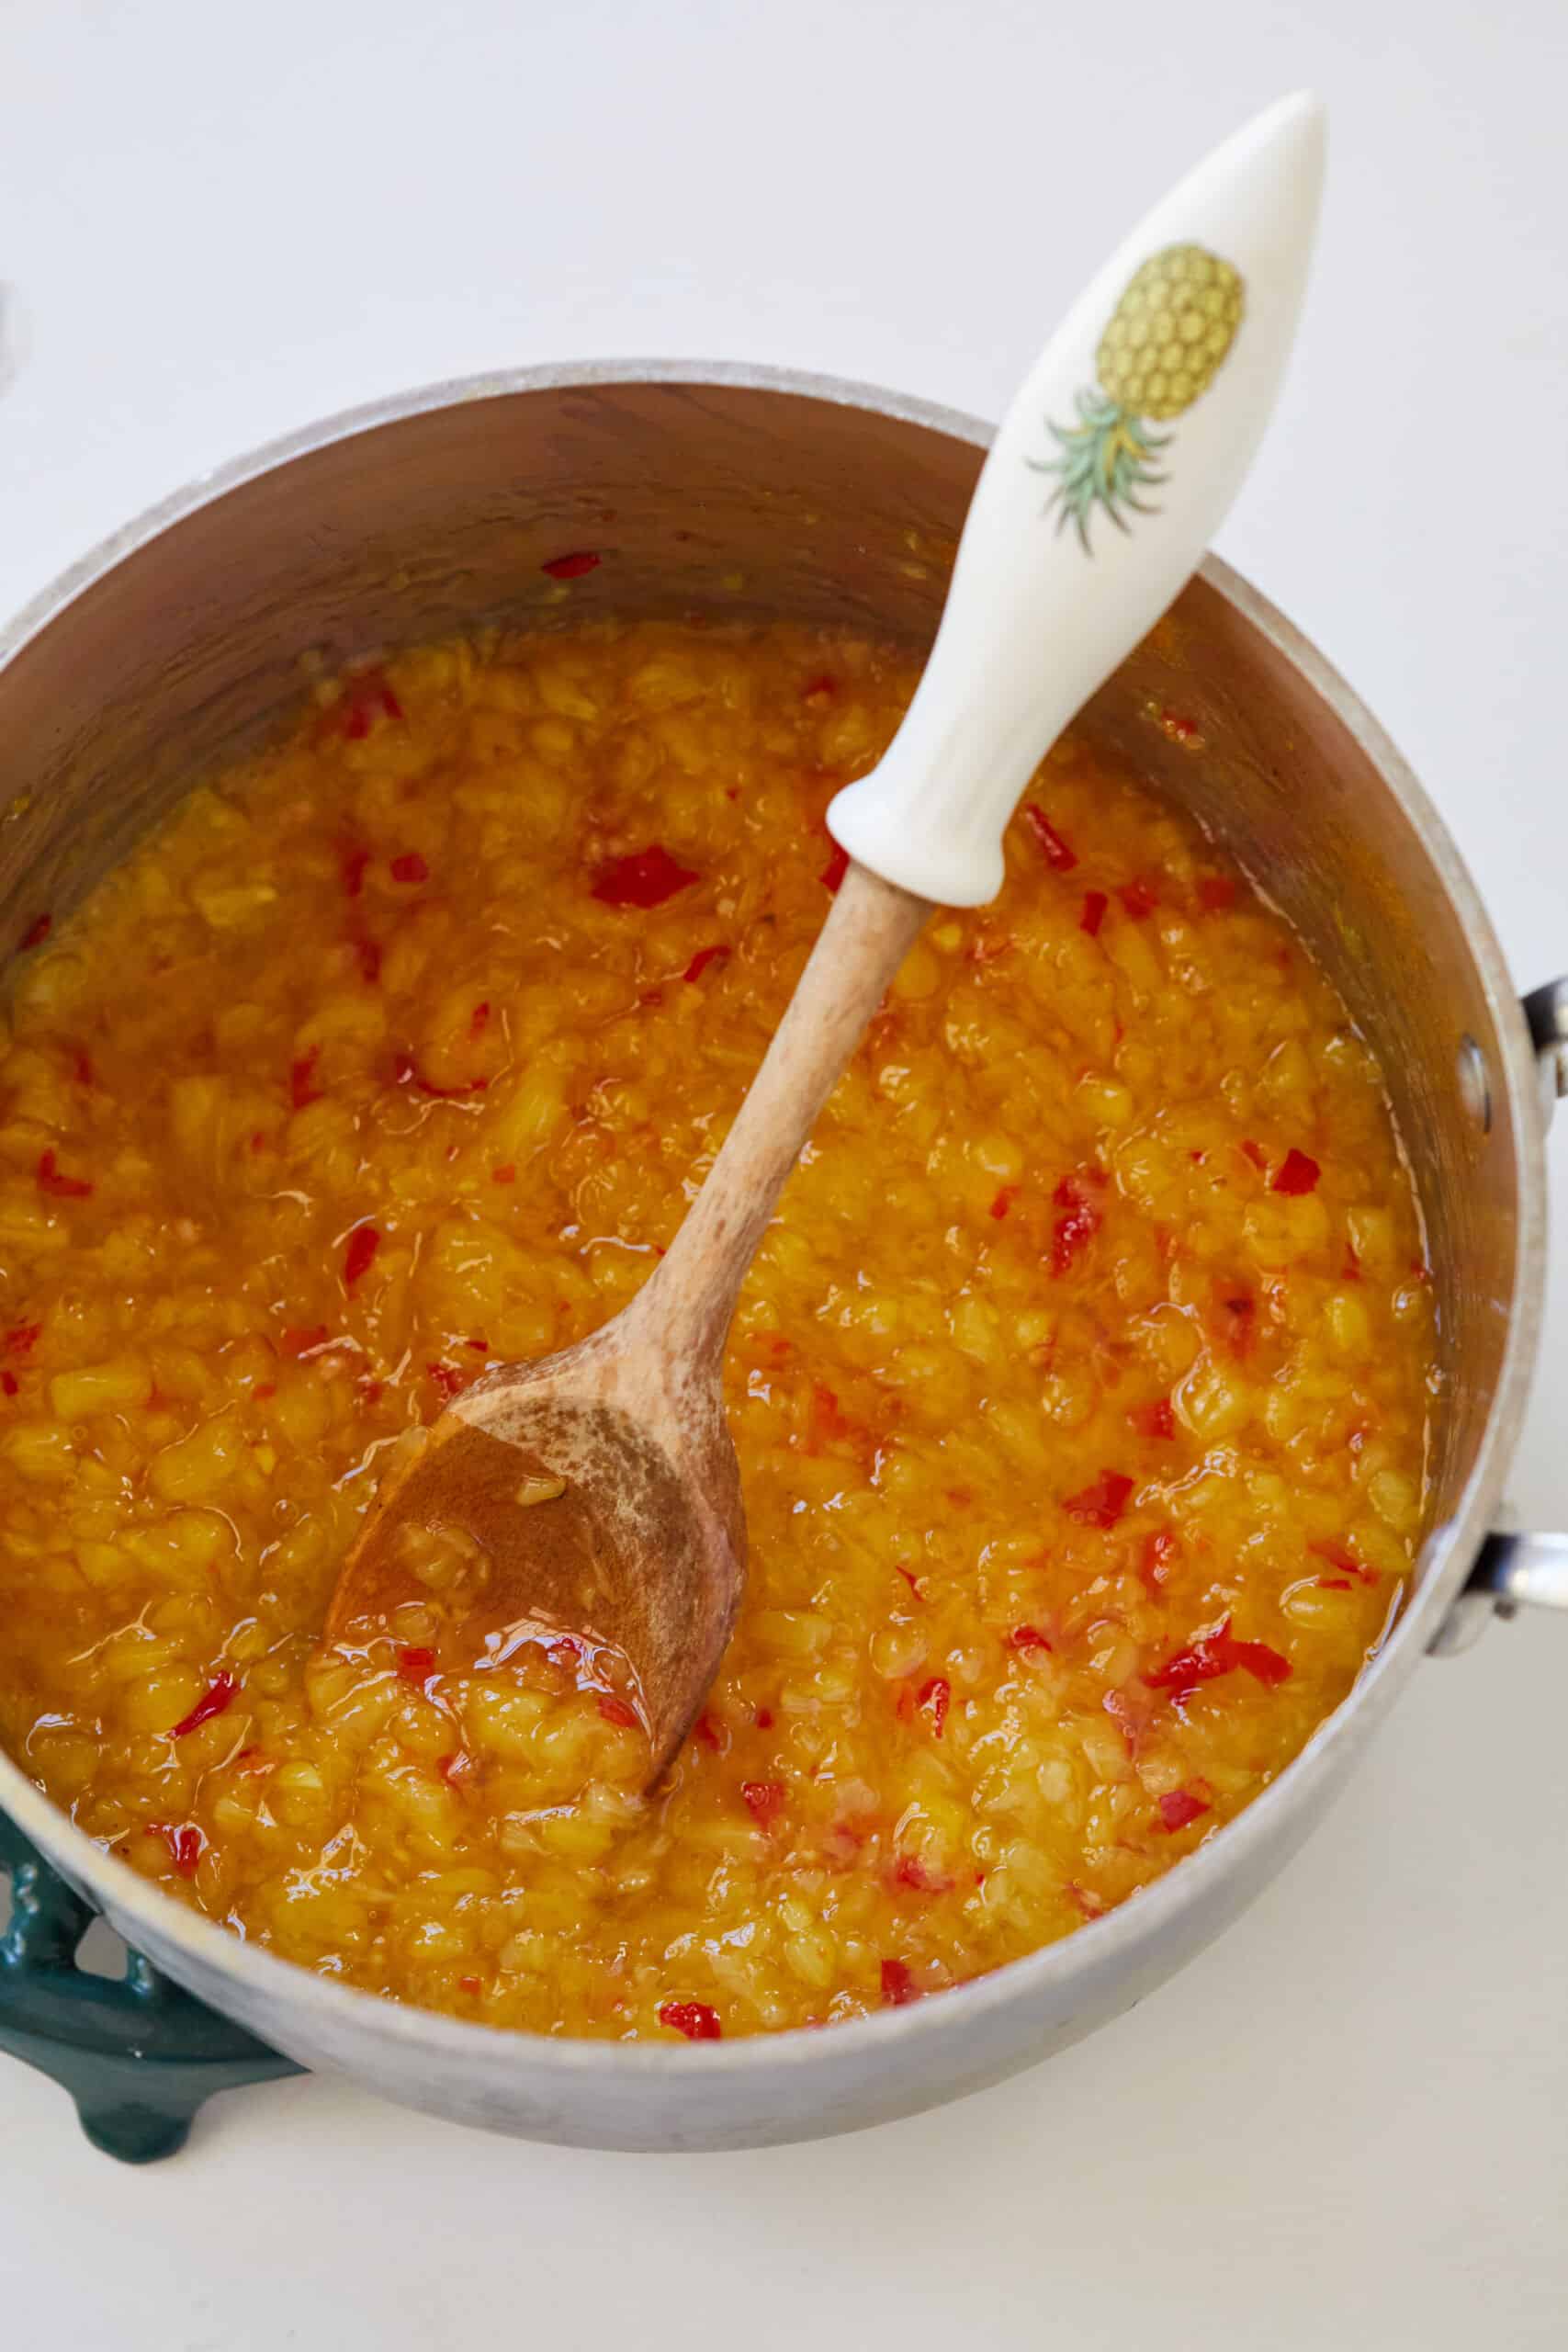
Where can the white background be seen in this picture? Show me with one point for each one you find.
(1347, 2126)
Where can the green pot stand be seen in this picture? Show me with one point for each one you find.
(138, 2056)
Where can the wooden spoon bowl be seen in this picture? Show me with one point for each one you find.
(599, 1500)
(597, 1490)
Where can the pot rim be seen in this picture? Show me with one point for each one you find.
(210, 1950)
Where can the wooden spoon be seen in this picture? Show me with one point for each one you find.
(597, 1490)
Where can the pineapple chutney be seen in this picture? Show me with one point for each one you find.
(1080, 1387)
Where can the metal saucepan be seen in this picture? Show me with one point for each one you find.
(740, 492)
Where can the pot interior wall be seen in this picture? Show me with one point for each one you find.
(727, 500)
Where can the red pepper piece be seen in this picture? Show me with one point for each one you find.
(370, 956)
(479, 1346)
(765, 1799)
(363, 1244)
(645, 878)
(185, 1842)
(822, 684)
(185, 1845)
(1343, 1561)
(302, 1088)
(1333, 1584)
(478, 1020)
(898, 1985)
(1205, 1661)
(1179, 729)
(1103, 1504)
(573, 566)
(1074, 1229)
(21, 1338)
(910, 1871)
(297, 1341)
(833, 872)
(694, 2018)
(448, 1380)
(1004, 1201)
(1154, 1420)
(409, 867)
(706, 1732)
(9, 1385)
(213, 1701)
(1139, 899)
(59, 1187)
(1179, 1809)
(1213, 1655)
(763, 1719)
(1217, 892)
(467, 1983)
(416, 1666)
(366, 696)
(1299, 1174)
(507, 1175)
(702, 958)
(614, 1710)
(37, 933)
(352, 870)
(1095, 902)
(1265, 1665)
(1029, 1639)
(1259, 1157)
(933, 1699)
(1053, 848)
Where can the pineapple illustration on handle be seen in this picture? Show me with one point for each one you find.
(1167, 342)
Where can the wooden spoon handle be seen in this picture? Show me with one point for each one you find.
(869, 928)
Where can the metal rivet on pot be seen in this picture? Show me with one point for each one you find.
(1474, 1085)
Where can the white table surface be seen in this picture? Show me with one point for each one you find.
(1348, 2125)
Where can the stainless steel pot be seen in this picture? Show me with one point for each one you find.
(723, 491)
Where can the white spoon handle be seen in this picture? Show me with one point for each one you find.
(1114, 467)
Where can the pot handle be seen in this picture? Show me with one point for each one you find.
(137, 2054)
(1546, 1009)
(1514, 1572)
(1511, 1572)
